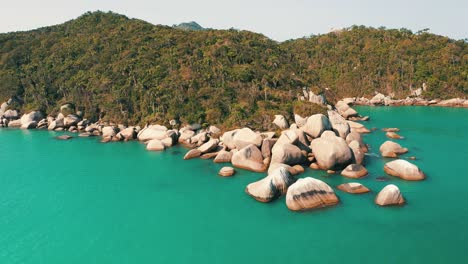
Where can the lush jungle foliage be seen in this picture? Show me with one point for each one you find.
(128, 70)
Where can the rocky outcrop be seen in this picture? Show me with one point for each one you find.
(31, 119)
(281, 122)
(309, 193)
(228, 138)
(127, 134)
(378, 99)
(391, 129)
(193, 153)
(14, 123)
(389, 195)
(209, 146)
(357, 127)
(287, 137)
(316, 125)
(152, 132)
(267, 146)
(299, 120)
(199, 138)
(339, 124)
(358, 152)
(294, 170)
(186, 135)
(353, 187)
(226, 171)
(155, 145)
(356, 136)
(71, 120)
(270, 187)
(42, 124)
(354, 171)
(345, 110)
(57, 123)
(331, 152)
(223, 156)
(11, 114)
(249, 158)
(245, 136)
(287, 154)
(404, 170)
(214, 131)
(390, 149)
(454, 102)
(108, 132)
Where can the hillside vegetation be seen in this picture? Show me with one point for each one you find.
(128, 70)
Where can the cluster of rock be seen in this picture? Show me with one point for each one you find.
(329, 143)
(319, 141)
(387, 100)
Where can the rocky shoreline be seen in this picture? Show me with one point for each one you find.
(387, 100)
(331, 142)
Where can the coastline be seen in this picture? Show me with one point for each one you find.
(332, 143)
(383, 100)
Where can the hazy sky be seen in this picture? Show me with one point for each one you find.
(277, 19)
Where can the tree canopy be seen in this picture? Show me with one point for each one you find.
(128, 70)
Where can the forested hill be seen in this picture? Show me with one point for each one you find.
(129, 70)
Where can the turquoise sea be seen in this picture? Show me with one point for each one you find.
(81, 201)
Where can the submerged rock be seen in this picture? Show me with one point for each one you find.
(353, 187)
(270, 187)
(389, 195)
(390, 149)
(393, 135)
(310, 193)
(354, 171)
(64, 137)
(404, 169)
(85, 134)
(391, 129)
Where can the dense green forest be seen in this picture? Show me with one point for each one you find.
(128, 70)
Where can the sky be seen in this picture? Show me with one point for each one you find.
(279, 20)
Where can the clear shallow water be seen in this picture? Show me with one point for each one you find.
(80, 201)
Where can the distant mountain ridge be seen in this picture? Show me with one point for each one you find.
(129, 70)
(192, 25)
